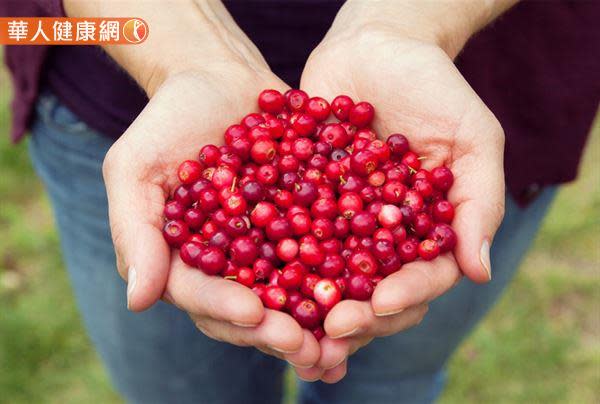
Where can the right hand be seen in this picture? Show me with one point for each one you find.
(189, 110)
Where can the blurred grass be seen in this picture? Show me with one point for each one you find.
(541, 343)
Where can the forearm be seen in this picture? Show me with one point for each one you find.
(449, 24)
(183, 35)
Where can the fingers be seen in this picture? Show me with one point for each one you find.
(416, 283)
(135, 211)
(351, 318)
(311, 374)
(210, 296)
(478, 194)
(277, 331)
(336, 374)
(308, 355)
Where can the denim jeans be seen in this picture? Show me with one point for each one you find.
(158, 356)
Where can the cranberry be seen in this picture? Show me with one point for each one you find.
(399, 234)
(256, 234)
(361, 114)
(428, 250)
(211, 261)
(267, 175)
(296, 100)
(243, 251)
(189, 252)
(318, 333)
(259, 289)
(283, 198)
(194, 218)
(246, 277)
(332, 266)
(351, 183)
(253, 192)
(303, 148)
(275, 297)
(335, 135)
(442, 178)
(341, 106)
(318, 161)
(209, 155)
(318, 108)
(287, 249)
(421, 224)
(290, 278)
(383, 249)
(278, 228)
(390, 265)
(412, 160)
(407, 251)
(263, 213)
(442, 211)
(174, 210)
(263, 150)
(398, 144)
(294, 298)
(383, 234)
(305, 193)
(323, 148)
(327, 294)
(390, 216)
(311, 254)
(262, 268)
(234, 132)
(223, 177)
(423, 187)
(183, 196)
(363, 224)
(324, 208)
(414, 200)
(307, 314)
(362, 262)
(331, 246)
(176, 232)
(271, 101)
(341, 227)
(394, 192)
(235, 205)
(444, 236)
(288, 164)
(189, 172)
(251, 120)
(238, 226)
(376, 178)
(359, 287)
(303, 124)
(322, 228)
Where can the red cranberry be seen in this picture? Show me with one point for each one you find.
(323, 148)
(290, 278)
(209, 228)
(383, 234)
(307, 314)
(394, 192)
(263, 213)
(311, 254)
(359, 287)
(444, 236)
(189, 252)
(398, 144)
(428, 250)
(223, 177)
(296, 100)
(258, 132)
(278, 228)
(271, 101)
(326, 191)
(253, 192)
(318, 161)
(332, 266)
(235, 205)
(399, 234)
(259, 289)
(263, 150)
(341, 106)
(294, 298)
(361, 114)
(189, 172)
(335, 135)
(236, 226)
(194, 218)
(351, 183)
(322, 228)
(363, 224)
(251, 120)
(362, 262)
(267, 174)
(300, 223)
(305, 193)
(414, 200)
(284, 199)
(390, 265)
(303, 148)
(383, 249)
(303, 124)
(380, 149)
(246, 277)
(324, 208)
(341, 227)
(288, 163)
(442, 178)
(275, 126)
(174, 210)
(318, 333)
(243, 251)
(287, 249)
(407, 251)
(421, 224)
(318, 108)
(275, 297)
(327, 294)
(262, 268)
(423, 187)
(176, 232)
(412, 160)
(234, 132)
(331, 246)
(183, 196)
(349, 204)
(442, 211)
(209, 155)
(211, 261)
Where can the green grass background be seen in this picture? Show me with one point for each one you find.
(541, 343)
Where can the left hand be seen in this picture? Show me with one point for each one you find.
(417, 91)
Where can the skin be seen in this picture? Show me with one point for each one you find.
(410, 45)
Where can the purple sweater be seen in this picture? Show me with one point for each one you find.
(537, 68)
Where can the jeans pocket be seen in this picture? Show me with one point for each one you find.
(56, 115)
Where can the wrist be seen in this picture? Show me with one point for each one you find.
(447, 25)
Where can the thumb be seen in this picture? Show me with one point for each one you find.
(478, 194)
(135, 212)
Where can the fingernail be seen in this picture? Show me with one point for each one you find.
(347, 334)
(281, 350)
(484, 257)
(389, 313)
(131, 281)
(245, 325)
(299, 366)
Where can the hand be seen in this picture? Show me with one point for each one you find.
(189, 110)
(417, 91)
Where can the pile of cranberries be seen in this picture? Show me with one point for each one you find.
(307, 210)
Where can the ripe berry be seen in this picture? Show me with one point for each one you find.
(246, 277)
(189, 252)
(327, 294)
(444, 236)
(307, 314)
(407, 251)
(361, 114)
(267, 175)
(211, 261)
(262, 268)
(223, 177)
(393, 192)
(275, 297)
(390, 216)
(263, 213)
(442, 211)
(174, 210)
(428, 250)
(189, 172)
(421, 224)
(318, 108)
(362, 262)
(398, 144)
(263, 150)
(176, 232)
(209, 155)
(305, 193)
(322, 228)
(278, 228)
(332, 266)
(194, 218)
(251, 120)
(349, 204)
(290, 277)
(300, 223)
(311, 254)
(359, 287)
(364, 162)
(296, 100)
(243, 251)
(341, 106)
(303, 148)
(324, 208)
(287, 249)
(383, 249)
(442, 178)
(303, 124)
(411, 159)
(253, 192)
(271, 101)
(363, 224)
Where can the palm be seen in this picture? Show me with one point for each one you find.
(417, 91)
